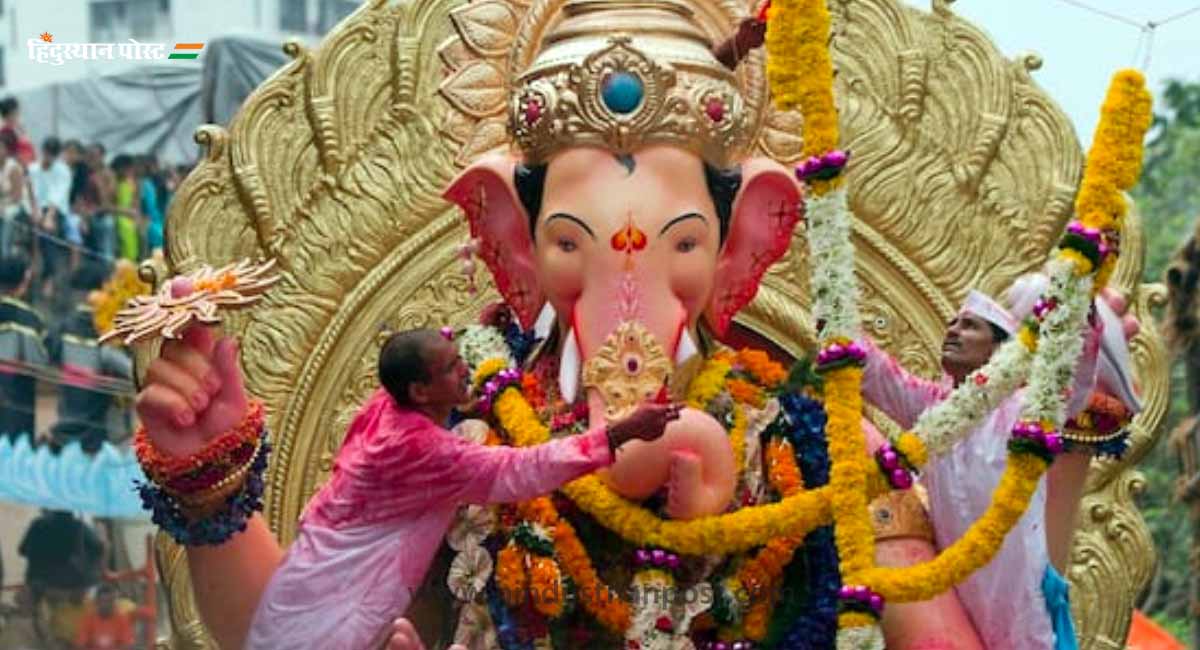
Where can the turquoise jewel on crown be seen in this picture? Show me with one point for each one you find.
(622, 92)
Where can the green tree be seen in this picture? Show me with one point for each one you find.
(1168, 198)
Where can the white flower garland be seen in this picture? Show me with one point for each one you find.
(831, 263)
(478, 343)
(652, 592)
(1060, 342)
(946, 423)
(860, 638)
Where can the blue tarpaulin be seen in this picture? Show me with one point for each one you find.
(100, 484)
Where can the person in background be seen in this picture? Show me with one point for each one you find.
(64, 557)
(87, 409)
(150, 192)
(95, 199)
(126, 201)
(51, 180)
(16, 231)
(10, 121)
(104, 627)
(22, 329)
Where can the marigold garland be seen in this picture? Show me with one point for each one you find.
(708, 383)
(737, 438)
(974, 549)
(488, 368)
(596, 597)
(1115, 159)
(848, 476)
(510, 574)
(760, 575)
(759, 365)
(800, 73)
(546, 586)
(746, 392)
(913, 448)
(121, 287)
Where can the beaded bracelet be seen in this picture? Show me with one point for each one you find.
(1101, 428)
(215, 527)
(199, 471)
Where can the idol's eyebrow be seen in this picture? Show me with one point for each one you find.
(681, 218)
(572, 218)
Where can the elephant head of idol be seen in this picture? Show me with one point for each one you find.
(629, 217)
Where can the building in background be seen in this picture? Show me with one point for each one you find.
(146, 21)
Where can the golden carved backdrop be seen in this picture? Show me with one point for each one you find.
(963, 176)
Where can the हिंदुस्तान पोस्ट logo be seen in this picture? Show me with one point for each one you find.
(44, 50)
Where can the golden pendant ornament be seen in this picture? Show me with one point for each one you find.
(630, 368)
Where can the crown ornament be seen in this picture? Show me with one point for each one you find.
(625, 74)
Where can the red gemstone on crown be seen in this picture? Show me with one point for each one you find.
(533, 112)
(715, 109)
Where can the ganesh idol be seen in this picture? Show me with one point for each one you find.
(625, 224)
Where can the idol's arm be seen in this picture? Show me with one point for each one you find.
(228, 580)
(904, 537)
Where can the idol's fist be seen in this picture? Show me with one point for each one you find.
(193, 391)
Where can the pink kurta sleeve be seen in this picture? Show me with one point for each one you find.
(399, 463)
(485, 474)
(900, 394)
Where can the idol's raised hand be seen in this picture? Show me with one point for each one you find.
(193, 391)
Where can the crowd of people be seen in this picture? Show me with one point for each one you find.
(68, 212)
(68, 201)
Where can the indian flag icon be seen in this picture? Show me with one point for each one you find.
(186, 50)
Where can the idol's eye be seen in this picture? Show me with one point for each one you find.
(567, 245)
(686, 245)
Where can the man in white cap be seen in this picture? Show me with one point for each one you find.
(1019, 600)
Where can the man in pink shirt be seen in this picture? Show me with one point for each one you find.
(367, 538)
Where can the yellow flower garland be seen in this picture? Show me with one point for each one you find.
(715, 535)
(488, 368)
(800, 73)
(1112, 165)
(1115, 159)
(708, 383)
(119, 289)
(974, 549)
(848, 476)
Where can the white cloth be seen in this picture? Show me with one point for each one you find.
(982, 305)
(351, 577)
(1004, 598)
(52, 187)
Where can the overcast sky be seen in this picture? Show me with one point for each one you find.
(1081, 50)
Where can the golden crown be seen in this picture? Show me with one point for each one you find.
(623, 74)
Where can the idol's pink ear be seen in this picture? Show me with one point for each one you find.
(765, 213)
(486, 194)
